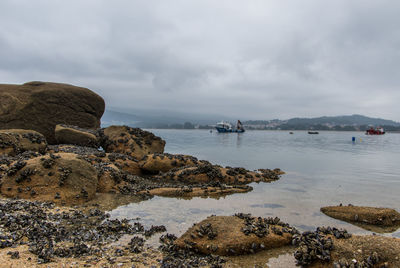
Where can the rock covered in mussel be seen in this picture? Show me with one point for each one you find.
(331, 247)
(62, 178)
(312, 246)
(134, 142)
(155, 163)
(365, 215)
(175, 256)
(236, 235)
(52, 233)
(205, 172)
(17, 141)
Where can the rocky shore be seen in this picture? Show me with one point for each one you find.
(55, 166)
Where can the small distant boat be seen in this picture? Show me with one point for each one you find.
(290, 132)
(313, 132)
(375, 131)
(225, 127)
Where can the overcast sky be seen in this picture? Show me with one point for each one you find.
(247, 59)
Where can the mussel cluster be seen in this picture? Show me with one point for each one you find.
(368, 262)
(262, 226)
(177, 257)
(316, 245)
(70, 233)
(206, 230)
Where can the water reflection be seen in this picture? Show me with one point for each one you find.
(321, 170)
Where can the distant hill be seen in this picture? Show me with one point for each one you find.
(170, 119)
(351, 120)
(345, 122)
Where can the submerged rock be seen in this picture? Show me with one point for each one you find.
(236, 235)
(134, 142)
(366, 215)
(42, 105)
(17, 141)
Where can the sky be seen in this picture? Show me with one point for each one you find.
(254, 59)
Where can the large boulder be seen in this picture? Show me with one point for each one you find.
(42, 105)
(62, 178)
(16, 141)
(155, 163)
(236, 235)
(366, 215)
(130, 141)
(77, 136)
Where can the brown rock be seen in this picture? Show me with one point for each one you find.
(189, 192)
(204, 172)
(41, 106)
(77, 136)
(130, 141)
(224, 236)
(155, 163)
(121, 162)
(358, 249)
(366, 215)
(62, 178)
(16, 141)
(110, 179)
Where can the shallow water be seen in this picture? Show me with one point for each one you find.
(321, 170)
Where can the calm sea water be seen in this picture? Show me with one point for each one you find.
(321, 170)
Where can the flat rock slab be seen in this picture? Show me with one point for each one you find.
(366, 215)
(189, 192)
(225, 235)
(76, 136)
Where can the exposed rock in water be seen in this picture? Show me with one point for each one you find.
(17, 141)
(205, 191)
(330, 247)
(366, 251)
(76, 136)
(236, 235)
(62, 178)
(41, 106)
(205, 172)
(130, 141)
(155, 163)
(365, 215)
(316, 246)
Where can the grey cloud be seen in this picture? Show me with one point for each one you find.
(258, 59)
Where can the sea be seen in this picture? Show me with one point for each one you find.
(320, 170)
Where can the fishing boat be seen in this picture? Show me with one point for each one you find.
(225, 127)
(313, 132)
(375, 131)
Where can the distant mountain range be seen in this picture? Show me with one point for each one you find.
(345, 120)
(168, 119)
